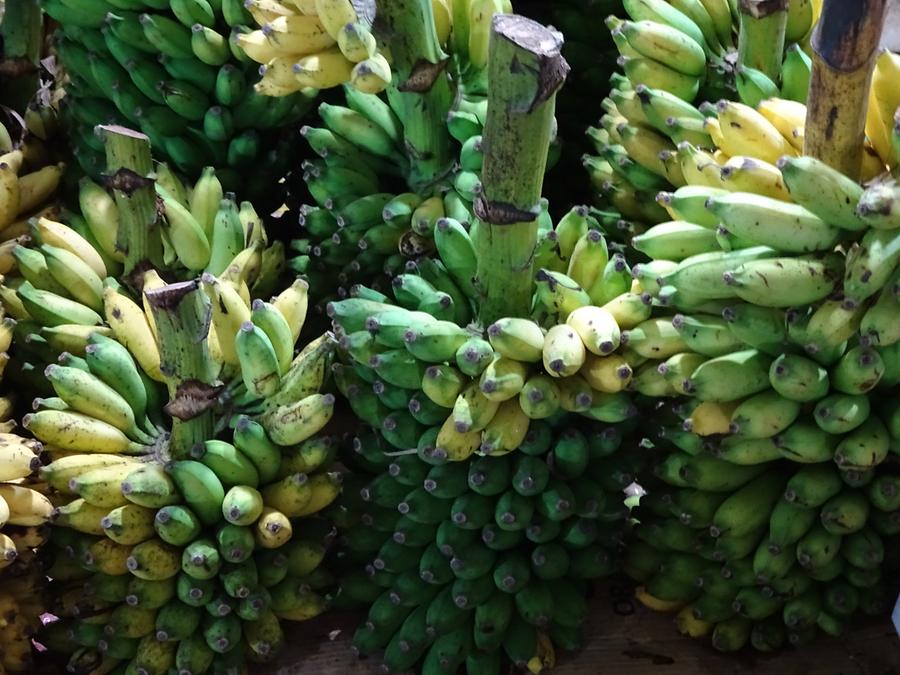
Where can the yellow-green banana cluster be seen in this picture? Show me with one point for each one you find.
(166, 557)
(485, 561)
(28, 183)
(176, 71)
(188, 561)
(317, 44)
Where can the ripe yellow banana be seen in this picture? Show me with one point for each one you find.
(128, 323)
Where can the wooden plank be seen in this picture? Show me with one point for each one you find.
(626, 639)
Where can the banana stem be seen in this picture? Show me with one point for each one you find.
(21, 34)
(130, 175)
(761, 38)
(845, 45)
(182, 314)
(420, 91)
(526, 70)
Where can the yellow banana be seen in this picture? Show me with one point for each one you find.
(129, 325)
(35, 188)
(56, 234)
(747, 132)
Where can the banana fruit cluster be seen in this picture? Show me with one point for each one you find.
(359, 230)
(484, 561)
(27, 189)
(688, 49)
(315, 44)
(28, 182)
(177, 72)
(772, 279)
(163, 561)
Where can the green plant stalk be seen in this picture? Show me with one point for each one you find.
(181, 312)
(129, 172)
(21, 34)
(526, 70)
(420, 90)
(761, 36)
(845, 46)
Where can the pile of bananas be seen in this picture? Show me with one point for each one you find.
(316, 44)
(173, 555)
(649, 114)
(461, 562)
(453, 402)
(773, 511)
(26, 188)
(66, 272)
(177, 72)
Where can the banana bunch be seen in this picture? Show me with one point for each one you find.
(66, 271)
(28, 181)
(316, 44)
(749, 548)
(688, 48)
(417, 362)
(177, 72)
(184, 561)
(359, 228)
(647, 156)
(481, 561)
(193, 564)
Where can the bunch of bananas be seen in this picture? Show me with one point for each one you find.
(784, 275)
(24, 513)
(171, 556)
(649, 113)
(688, 48)
(27, 188)
(360, 228)
(316, 44)
(176, 71)
(66, 272)
(462, 562)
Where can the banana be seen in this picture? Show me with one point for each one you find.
(102, 487)
(766, 221)
(661, 42)
(748, 174)
(747, 132)
(74, 431)
(870, 265)
(260, 365)
(102, 216)
(201, 488)
(675, 240)
(130, 327)
(295, 422)
(785, 282)
(26, 507)
(806, 178)
(51, 310)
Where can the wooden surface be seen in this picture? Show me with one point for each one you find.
(638, 643)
